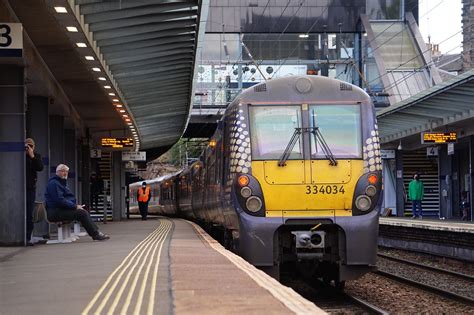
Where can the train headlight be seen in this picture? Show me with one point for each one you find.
(363, 203)
(254, 204)
(370, 191)
(246, 192)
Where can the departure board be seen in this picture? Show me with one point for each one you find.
(439, 137)
(116, 143)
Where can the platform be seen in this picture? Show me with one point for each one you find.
(448, 238)
(159, 266)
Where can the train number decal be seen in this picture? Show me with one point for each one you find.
(324, 189)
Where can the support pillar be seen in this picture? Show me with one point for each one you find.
(37, 127)
(85, 172)
(12, 155)
(445, 183)
(56, 139)
(117, 187)
(399, 183)
(70, 156)
(471, 171)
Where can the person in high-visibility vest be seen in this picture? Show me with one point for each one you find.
(143, 197)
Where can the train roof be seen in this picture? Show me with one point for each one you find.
(303, 89)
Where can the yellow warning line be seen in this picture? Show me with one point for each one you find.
(285, 295)
(151, 242)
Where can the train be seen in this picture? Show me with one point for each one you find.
(292, 177)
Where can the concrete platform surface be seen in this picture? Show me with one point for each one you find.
(159, 266)
(430, 224)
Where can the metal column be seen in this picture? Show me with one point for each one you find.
(399, 180)
(56, 140)
(70, 156)
(37, 127)
(12, 155)
(471, 171)
(117, 187)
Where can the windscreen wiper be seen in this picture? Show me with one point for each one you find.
(318, 137)
(289, 147)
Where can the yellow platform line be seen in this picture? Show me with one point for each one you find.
(159, 243)
(129, 274)
(131, 255)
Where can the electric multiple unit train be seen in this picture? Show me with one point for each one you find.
(292, 176)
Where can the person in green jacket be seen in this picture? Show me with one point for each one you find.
(416, 191)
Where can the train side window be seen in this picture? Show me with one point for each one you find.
(271, 129)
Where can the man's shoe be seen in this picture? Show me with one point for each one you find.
(413, 217)
(100, 237)
(29, 243)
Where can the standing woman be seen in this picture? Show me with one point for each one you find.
(143, 197)
(33, 165)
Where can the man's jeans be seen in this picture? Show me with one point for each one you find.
(414, 205)
(30, 206)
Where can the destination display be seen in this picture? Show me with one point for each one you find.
(116, 143)
(439, 137)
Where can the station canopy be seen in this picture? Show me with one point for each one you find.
(444, 104)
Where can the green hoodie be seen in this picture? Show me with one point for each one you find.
(416, 190)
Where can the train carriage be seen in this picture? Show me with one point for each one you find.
(293, 177)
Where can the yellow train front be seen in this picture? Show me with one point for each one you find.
(294, 177)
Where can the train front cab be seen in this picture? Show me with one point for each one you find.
(318, 210)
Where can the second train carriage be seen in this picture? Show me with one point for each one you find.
(293, 175)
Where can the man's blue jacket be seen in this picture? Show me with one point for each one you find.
(58, 194)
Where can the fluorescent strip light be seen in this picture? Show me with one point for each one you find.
(118, 105)
(60, 9)
(112, 94)
(303, 36)
(81, 45)
(102, 79)
(116, 100)
(122, 110)
(96, 69)
(107, 87)
(89, 58)
(71, 29)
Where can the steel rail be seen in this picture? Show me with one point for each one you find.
(426, 287)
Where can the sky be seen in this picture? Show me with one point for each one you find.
(441, 19)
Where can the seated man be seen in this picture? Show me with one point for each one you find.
(61, 204)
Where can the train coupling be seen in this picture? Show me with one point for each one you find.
(309, 239)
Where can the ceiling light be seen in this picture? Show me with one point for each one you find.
(127, 119)
(81, 45)
(116, 100)
(122, 111)
(107, 87)
(129, 123)
(102, 79)
(118, 105)
(89, 58)
(71, 29)
(125, 116)
(112, 94)
(96, 69)
(60, 9)
(303, 36)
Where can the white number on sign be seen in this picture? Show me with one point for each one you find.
(5, 31)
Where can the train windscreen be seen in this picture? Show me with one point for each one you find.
(271, 128)
(340, 125)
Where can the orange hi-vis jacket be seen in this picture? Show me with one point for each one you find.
(143, 196)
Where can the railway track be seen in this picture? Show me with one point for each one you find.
(330, 299)
(427, 267)
(426, 287)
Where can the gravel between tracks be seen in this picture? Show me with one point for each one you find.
(398, 298)
(434, 261)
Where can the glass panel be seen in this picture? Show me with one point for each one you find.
(271, 130)
(341, 129)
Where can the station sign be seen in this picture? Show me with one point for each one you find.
(11, 39)
(387, 154)
(133, 156)
(116, 143)
(438, 137)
